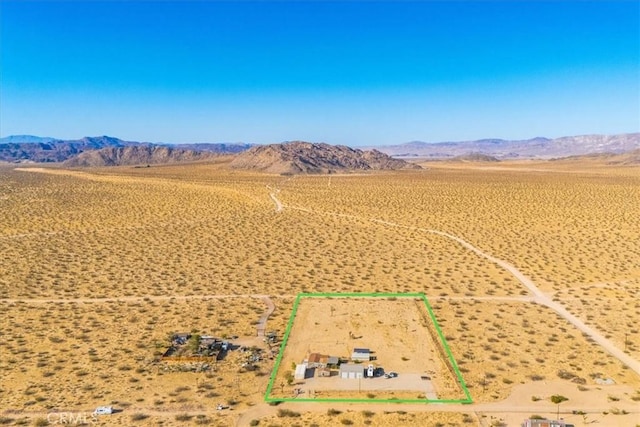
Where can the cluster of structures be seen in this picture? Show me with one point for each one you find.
(321, 365)
(192, 346)
(316, 364)
(252, 356)
(199, 353)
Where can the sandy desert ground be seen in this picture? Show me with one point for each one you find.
(99, 266)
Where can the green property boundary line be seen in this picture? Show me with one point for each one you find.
(443, 341)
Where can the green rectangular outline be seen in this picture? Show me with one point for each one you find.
(443, 341)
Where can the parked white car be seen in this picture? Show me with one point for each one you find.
(103, 410)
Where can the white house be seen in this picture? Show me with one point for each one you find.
(301, 371)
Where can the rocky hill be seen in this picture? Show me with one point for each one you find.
(541, 148)
(135, 155)
(475, 157)
(305, 158)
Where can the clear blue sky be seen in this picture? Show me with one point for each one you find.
(356, 73)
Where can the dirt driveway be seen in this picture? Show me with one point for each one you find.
(404, 382)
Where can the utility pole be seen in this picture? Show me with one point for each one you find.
(626, 335)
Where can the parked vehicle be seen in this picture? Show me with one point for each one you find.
(103, 410)
(391, 375)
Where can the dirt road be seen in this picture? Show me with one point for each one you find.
(133, 299)
(262, 322)
(542, 299)
(272, 194)
(539, 296)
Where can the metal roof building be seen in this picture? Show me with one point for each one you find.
(351, 371)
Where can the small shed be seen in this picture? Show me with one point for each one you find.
(351, 371)
(361, 355)
(333, 361)
(301, 371)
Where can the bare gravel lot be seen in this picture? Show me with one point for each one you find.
(397, 330)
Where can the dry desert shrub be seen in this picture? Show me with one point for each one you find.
(560, 227)
(609, 307)
(115, 235)
(389, 417)
(499, 345)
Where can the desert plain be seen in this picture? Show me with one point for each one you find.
(100, 266)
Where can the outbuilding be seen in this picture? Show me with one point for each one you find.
(301, 371)
(333, 361)
(361, 355)
(351, 371)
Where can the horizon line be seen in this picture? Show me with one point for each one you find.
(318, 142)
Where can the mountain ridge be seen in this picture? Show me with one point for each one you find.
(628, 158)
(25, 139)
(135, 155)
(21, 148)
(538, 147)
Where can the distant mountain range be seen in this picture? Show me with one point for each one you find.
(25, 139)
(21, 148)
(300, 157)
(541, 148)
(37, 149)
(29, 148)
